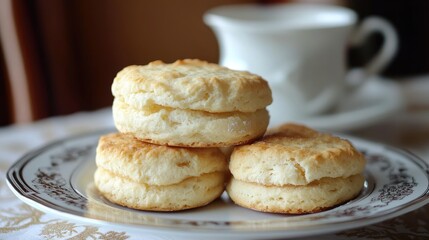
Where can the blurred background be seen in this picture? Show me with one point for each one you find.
(58, 57)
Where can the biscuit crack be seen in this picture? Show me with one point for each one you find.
(300, 170)
(183, 164)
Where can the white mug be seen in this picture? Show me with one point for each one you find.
(300, 49)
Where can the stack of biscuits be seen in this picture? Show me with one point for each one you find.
(175, 119)
(172, 121)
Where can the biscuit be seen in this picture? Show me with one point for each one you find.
(144, 176)
(295, 164)
(190, 103)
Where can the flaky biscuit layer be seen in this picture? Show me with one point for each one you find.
(190, 193)
(314, 197)
(188, 128)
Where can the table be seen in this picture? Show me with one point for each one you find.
(408, 129)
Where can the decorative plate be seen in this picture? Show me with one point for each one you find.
(58, 178)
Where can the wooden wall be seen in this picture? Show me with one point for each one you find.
(80, 45)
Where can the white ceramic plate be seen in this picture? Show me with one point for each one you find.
(58, 179)
(377, 100)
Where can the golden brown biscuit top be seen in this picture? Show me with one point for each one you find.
(191, 84)
(142, 162)
(296, 155)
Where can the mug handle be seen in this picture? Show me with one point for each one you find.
(383, 57)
